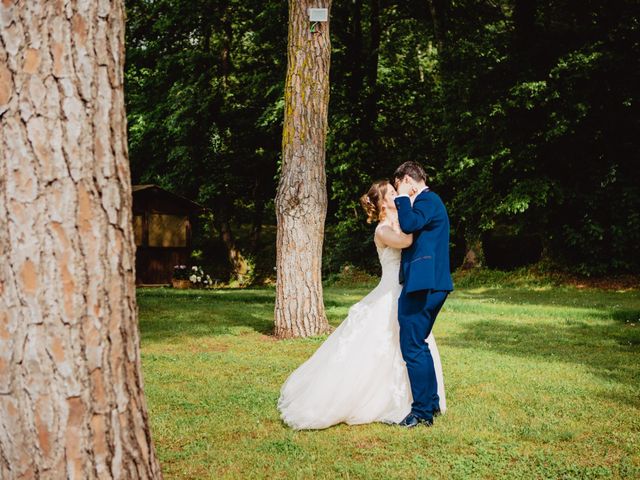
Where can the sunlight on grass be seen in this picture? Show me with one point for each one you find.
(541, 383)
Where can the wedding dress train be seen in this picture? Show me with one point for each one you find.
(358, 375)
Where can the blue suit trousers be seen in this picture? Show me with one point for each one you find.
(417, 312)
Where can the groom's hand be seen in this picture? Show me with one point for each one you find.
(404, 188)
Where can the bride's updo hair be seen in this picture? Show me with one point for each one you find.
(372, 201)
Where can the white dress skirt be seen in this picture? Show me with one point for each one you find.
(358, 375)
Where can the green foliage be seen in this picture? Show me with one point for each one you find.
(350, 276)
(204, 86)
(541, 383)
(180, 272)
(523, 120)
(524, 112)
(541, 134)
(383, 85)
(352, 238)
(248, 278)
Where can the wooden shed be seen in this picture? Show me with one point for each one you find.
(162, 229)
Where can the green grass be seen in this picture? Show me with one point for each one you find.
(542, 382)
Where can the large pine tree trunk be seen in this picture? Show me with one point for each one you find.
(301, 201)
(71, 393)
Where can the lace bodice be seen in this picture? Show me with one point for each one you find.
(389, 260)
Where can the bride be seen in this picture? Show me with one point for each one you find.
(358, 375)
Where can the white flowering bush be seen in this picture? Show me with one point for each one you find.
(198, 278)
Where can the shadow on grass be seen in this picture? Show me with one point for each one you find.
(166, 313)
(626, 316)
(560, 296)
(621, 308)
(604, 335)
(610, 350)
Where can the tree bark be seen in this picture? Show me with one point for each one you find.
(354, 50)
(370, 114)
(526, 42)
(71, 390)
(474, 256)
(258, 217)
(436, 11)
(227, 35)
(301, 201)
(524, 16)
(239, 265)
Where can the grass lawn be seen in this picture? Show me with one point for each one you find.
(542, 382)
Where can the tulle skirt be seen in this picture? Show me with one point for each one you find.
(357, 375)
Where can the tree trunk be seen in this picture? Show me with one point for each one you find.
(301, 201)
(374, 44)
(474, 256)
(525, 47)
(71, 391)
(370, 114)
(524, 16)
(435, 9)
(354, 50)
(258, 217)
(225, 54)
(239, 265)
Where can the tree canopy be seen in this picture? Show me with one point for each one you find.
(525, 114)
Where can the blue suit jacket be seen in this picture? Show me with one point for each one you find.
(425, 264)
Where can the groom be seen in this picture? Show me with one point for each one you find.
(426, 281)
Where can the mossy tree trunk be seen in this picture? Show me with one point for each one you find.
(71, 392)
(301, 201)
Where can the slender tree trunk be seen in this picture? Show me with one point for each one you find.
(258, 216)
(374, 44)
(227, 35)
(474, 255)
(354, 50)
(435, 9)
(239, 264)
(370, 114)
(71, 391)
(256, 229)
(524, 16)
(525, 51)
(301, 201)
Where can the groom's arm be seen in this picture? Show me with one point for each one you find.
(413, 218)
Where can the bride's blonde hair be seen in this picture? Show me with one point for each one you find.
(372, 201)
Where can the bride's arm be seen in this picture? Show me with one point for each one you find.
(392, 238)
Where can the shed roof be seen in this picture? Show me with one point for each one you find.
(154, 191)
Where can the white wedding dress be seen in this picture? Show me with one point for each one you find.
(358, 375)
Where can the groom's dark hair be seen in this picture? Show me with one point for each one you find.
(413, 169)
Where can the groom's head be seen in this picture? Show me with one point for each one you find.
(411, 172)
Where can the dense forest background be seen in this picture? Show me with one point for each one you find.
(525, 113)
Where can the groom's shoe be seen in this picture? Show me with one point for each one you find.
(412, 420)
(437, 412)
